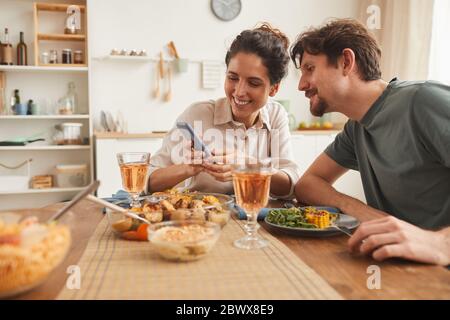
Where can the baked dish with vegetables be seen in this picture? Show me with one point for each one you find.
(172, 206)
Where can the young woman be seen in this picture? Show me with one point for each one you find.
(256, 63)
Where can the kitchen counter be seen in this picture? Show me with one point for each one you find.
(161, 134)
(120, 135)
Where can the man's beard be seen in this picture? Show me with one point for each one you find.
(321, 106)
(320, 109)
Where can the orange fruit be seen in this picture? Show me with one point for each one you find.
(142, 232)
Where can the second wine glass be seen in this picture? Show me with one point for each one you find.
(251, 180)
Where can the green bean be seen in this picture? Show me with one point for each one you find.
(292, 217)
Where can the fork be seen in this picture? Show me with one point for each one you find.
(342, 229)
(116, 208)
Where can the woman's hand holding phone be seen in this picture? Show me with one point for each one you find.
(192, 159)
(219, 166)
(201, 159)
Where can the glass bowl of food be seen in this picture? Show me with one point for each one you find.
(213, 207)
(209, 199)
(29, 252)
(210, 207)
(197, 206)
(134, 225)
(183, 240)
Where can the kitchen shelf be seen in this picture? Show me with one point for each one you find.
(138, 59)
(46, 68)
(127, 58)
(45, 117)
(314, 132)
(57, 7)
(48, 33)
(41, 148)
(46, 190)
(120, 135)
(64, 65)
(60, 37)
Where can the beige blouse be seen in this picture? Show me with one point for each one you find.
(213, 121)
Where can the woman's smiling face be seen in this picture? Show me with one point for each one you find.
(247, 86)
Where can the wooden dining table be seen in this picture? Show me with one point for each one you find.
(330, 257)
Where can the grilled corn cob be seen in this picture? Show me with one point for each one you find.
(320, 218)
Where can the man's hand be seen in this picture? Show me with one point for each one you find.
(390, 237)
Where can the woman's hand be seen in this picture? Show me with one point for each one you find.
(193, 169)
(219, 166)
(390, 237)
(221, 172)
(192, 159)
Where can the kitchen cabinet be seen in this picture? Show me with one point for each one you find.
(39, 83)
(44, 84)
(306, 147)
(42, 12)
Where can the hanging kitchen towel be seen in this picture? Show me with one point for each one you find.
(211, 74)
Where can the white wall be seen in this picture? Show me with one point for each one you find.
(198, 35)
(440, 46)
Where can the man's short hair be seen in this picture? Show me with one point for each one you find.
(335, 36)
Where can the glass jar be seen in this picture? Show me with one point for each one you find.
(45, 58)
(53, 57)
(71, 133)
(67, 56)
(287, 106)
(68, 103)
(70, 176)
(78, 57)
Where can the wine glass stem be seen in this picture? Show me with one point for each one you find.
(252, 226)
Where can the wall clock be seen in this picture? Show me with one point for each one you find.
(226, 10)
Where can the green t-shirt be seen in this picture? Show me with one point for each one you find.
(401, 147)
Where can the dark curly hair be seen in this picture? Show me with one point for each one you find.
(335, 36)
(270, 44)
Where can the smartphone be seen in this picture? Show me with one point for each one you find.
(198, 143)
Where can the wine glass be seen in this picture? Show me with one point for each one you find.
(251, 181)
(134, 168)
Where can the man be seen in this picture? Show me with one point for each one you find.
(397, 137)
